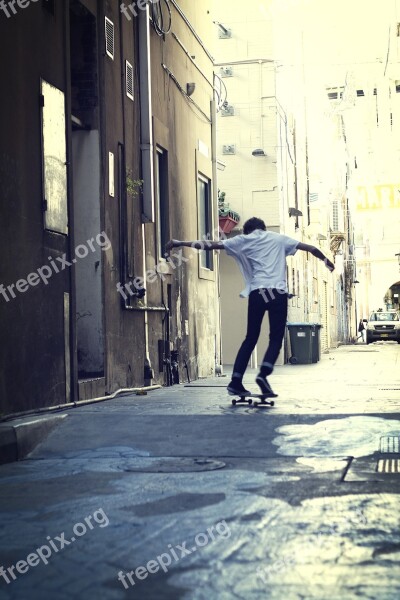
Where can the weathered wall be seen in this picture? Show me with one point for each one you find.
(180, 128)
(32, 324)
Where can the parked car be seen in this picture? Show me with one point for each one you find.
(383, 325)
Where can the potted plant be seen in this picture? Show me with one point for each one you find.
(228, 218)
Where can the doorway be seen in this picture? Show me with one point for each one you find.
(86, 185)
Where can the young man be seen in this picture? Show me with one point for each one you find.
(261, 256)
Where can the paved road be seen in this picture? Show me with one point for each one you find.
(179, 496)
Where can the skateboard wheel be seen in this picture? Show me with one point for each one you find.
(293, 360)
(234, 402)
(250, 401)
(272, 403)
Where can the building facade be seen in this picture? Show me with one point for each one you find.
(269, 143)
(107, 151)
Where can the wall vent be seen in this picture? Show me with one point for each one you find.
(129, 79)
(109, 32)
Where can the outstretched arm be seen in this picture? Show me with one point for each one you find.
(198, 244)
(316, 252)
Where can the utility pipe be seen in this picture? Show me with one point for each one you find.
(146, 130)
(246, 61)
(148, 308)
(190, 26)
(39, 411)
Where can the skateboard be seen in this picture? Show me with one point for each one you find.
(248, 399)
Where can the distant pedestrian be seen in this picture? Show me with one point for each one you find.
(261, 256)
(361, 330)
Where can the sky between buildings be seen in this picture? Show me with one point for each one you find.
(338, 34)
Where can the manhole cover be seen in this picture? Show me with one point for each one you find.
(171, 465)
(388, 465)
(389, 444)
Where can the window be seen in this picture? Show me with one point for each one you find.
(335, 216)
(315, 290)
(161, 174)
(54, 158)
(205, 219)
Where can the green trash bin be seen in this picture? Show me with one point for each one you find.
(301, 343)
(315, 342)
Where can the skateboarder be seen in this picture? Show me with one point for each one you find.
(261, 256)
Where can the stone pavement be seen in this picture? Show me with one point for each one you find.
(177, 495)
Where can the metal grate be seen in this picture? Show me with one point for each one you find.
(109, 32)
(389, 444)
(388, 465)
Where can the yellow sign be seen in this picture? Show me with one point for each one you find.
(378, 196)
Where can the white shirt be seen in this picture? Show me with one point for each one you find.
(261, 256)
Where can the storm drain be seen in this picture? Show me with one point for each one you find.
(389, 444)
(388, 465)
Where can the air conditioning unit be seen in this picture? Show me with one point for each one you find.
(228, 111)
(229, 149)
(226, 72)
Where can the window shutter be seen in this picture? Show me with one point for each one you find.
(109, 31)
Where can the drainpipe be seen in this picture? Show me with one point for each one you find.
(146, 148)
(218, 341)
(146, 142)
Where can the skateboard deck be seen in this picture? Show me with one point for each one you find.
(263, 400)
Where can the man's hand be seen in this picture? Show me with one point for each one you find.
(316, 252)
(329, 265)
(171, 244)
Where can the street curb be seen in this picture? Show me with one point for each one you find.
(19, 437)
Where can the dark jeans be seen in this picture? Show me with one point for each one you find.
(260, 301)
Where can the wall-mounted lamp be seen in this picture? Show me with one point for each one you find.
(190, 87)
(295, 212)
(258, 152)
(398, 257)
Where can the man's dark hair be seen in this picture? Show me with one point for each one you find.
(253, 224)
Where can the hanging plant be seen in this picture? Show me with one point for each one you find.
(133, 186)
